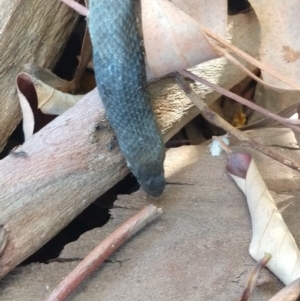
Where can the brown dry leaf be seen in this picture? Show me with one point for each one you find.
(37, 99)
(46, 76)
(49, 100)
(173, 39)
(270, 233)
(52, 101)
(238, 164)
(280, 47)
(288, 293)
(211, 14)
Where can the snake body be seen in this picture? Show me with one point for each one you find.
(121, 81)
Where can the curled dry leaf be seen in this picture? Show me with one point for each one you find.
(24, 89)
(270, 233)
(46, 76)
(280, 48)
(238, 164)
(173, 39)
(54, 102)
(289, 293)
(49, 100)
(3, 239)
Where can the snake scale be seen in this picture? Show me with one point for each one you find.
(121, 81)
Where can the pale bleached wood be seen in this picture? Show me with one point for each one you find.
(69, 163)
(32, 31)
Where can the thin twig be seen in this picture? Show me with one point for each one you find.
(287, 122)
(109, 245)
(215, 119)
(251, 60)
(253, 277)
(82, 10)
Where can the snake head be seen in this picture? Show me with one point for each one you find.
(150, 176)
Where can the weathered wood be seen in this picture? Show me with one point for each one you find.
(32, 31)
(71, 162)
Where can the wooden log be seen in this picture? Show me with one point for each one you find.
(65, 166)
(32, 31)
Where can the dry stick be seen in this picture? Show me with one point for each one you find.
(253, 277)
(223, 52)
(251, 59)
(215, 119)
(110, 244)
(287, 122)
(229, 57)
(82, 10)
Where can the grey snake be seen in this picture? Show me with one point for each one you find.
(121, 80)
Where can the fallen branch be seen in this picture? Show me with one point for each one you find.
(107, 247)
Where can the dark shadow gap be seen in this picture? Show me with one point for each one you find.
(94, 216)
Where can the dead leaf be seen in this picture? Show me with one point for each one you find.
(289, 54)
(238, 164)
(270, 234)
(211, 14)
(36, 98)
(49, 100)
(52, 101)
(173, 40)
(46, 76)
(280, 43)
(28, 120)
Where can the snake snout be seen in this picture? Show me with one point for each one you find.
(151, 178)
(154, 185)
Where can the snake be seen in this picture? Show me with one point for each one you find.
(119, 65)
